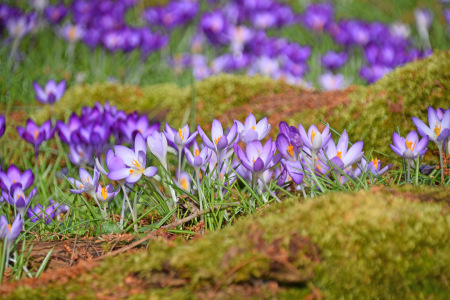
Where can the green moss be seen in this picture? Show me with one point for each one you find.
(376, 111)
(365, 245)
(214, 96)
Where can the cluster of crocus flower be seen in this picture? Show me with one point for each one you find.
(220, 158)
(437, 131)
(238, 28)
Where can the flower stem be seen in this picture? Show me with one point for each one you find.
(200, 194)
(442, 164)
(267, 188)
(408, 174)
(179, 166)
(128, 201)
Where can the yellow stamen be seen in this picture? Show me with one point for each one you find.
(131, 171)
(181, 133)
(36, 133)
(184, 184)
(313, 134)
(104, 193)
(196, 152)
(437, 129)
(81, 186)
(409, 145)
(9, 227)
(375, 163)
(339, 154)
(217, 139)
(253, 127)
(290, 149)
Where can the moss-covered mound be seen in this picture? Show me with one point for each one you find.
(213, 97)
(376, 111)
(388, 244)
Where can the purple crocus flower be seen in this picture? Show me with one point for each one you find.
(39, 213)
(439, 128)
(61, 208)
(10, 232)
(250, 130)
(137, 124)
(339, 154)
(51, 93)
(13, 175)
(258, 158)
(87, 183)
(374, 167)
(221, 142)
(157, 143)
(112, 162)
(198, 158)
(106, 194)
(72, 33)
(314, 140)
(184, 180)
(36, 135)
(19, 26)
(373, 73)
(410, 147)
(80, 154)
(318, 16)
(55, 13)
(334, 60)
(179, 139)
(68, 133)
(215, 27)
(17, 197)
(331, 82)
(2, 125)
(290, 150)
(135, 162)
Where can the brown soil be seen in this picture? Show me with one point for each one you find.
(279, 107)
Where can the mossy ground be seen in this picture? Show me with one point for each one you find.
(382, 244)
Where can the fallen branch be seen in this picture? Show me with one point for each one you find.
(171, 225)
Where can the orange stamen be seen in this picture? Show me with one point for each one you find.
(196, 152)
(9, 227)
(437, 129)
(409, 145)
(104, 193)
(181, 133)
(313, 134)
(375, 162)
(339, 154)
(290, 149)
(183, 183)
(36, 133)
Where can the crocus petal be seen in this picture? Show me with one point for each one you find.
(399, 142)
(262, 127)
(150, 171)
(249, 135)
(250, 121)
(422, 128)
(125, 154)
(354, 154)
(205, 138)
(343, 143)
(133, 177)
(397, 150)
(216, 130)
(258, 165)
(222, 143)
(432, 117)
(119, 174)
(189, 157)
(444, 135)
(139, 144)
